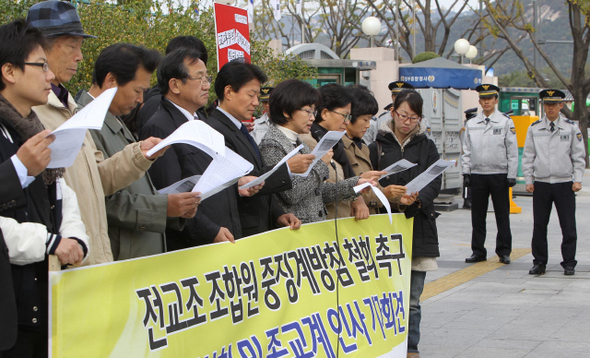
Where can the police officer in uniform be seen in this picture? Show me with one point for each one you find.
(395, 87)
(261, 124)
(553, 166)
(490, 164)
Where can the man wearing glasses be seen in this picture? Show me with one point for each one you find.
(490, 164)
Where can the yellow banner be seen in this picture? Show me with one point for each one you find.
(284, 293)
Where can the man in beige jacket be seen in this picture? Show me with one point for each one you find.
(91, 176)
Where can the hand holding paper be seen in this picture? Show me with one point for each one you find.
(328, 141)
(148, 144)
(263, 177)
(379, 195)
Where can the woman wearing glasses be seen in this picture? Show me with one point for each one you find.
(403, 138)
(333, 113)
(292, 110)
(363, 107)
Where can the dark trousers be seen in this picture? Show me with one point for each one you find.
(30, 343)
(544, 196)
(482, 186)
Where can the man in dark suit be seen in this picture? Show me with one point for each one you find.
(237, 87)
(184, 84)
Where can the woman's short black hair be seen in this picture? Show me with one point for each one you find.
(123, 60)
(18, 40)
(413, 99)
(289, 96)
(363, 102)
(333, 96)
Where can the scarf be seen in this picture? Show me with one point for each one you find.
(26, 128)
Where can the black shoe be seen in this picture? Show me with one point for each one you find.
(569, 271)
(505, 259)
(475, 258)
(538, 269)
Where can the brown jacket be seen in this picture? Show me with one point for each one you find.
(92, 177)
(361, 162)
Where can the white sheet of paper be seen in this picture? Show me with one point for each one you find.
(221, 173)
(328, 141)
(182, 186)
(429, 175)
(198, 134)
(398, 167)
(70, 135)
(264, 176)
(379, 195)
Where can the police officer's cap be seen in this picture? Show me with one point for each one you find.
(397, 86)
(470, 113)
(552, 96)
(265, 93)
(487, 90)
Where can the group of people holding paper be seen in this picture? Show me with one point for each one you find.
(195, 176)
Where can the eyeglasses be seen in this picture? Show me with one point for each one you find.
(44, 65)
(404, 117)
(346, 116)
(202, 79)
(310, 112)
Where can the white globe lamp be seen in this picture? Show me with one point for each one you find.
(371, 26)
(472, 53)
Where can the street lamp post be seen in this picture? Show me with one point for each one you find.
(371, 26)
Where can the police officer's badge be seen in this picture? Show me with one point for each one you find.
(513, 130)
(579, 136)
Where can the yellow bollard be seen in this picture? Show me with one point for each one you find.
(514, 209)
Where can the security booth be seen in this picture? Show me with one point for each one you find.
(526, 108)
(439, 82)
(331, 68)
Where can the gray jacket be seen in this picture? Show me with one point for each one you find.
(309, 194)
(490, 148)
(136, 214)
(556, 157)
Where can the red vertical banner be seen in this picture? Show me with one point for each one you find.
(232, 34)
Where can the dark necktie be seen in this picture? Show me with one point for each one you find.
(244, 131)
(552, 125)
(487, 121)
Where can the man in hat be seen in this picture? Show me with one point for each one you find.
(490, 164)
(261, 124)
(91, 176)
(553, 164)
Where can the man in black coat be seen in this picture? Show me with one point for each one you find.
(184, 84)
(237, 87)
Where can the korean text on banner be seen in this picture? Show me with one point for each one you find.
(232, 33)
(282, 293)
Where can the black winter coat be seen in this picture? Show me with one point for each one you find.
(422, 151)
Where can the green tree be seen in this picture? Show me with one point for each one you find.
(152, 23)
